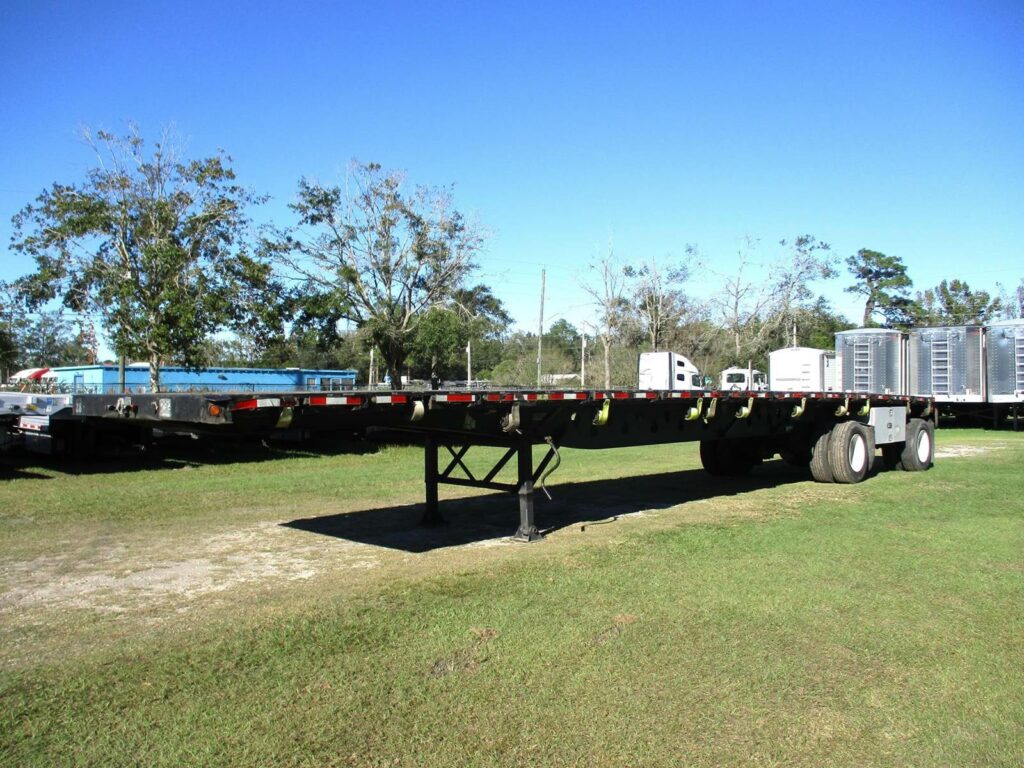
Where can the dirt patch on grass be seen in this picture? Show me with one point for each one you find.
(117, 577)
(961, 451)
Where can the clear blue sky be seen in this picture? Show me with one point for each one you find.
(892, 126)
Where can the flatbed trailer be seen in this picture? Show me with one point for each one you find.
(835, 434)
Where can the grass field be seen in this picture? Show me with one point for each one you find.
(286, 610)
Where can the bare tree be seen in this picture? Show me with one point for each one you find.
(754, 307)
(607, 289)
(807, 260)
(743, 303)
(658, 300)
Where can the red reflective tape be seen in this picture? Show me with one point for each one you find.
(391, 399)
(645, 395)
(620, 395)
(327, 400)
(245, 405)
(455, 397)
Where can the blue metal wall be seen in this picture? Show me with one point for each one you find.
(104, 378)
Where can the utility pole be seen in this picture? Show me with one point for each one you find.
(583, 360)
(469, 365)
(540, 325)
(372, 371)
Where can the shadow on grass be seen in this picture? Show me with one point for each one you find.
(175, 452)
(496, 515)
(8, 472)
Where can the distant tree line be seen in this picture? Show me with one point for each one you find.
(162, 250)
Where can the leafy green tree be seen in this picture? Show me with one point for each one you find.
(441, 339)
(883, 282)
(9, 318)
(49, 339)
(153, 243)
(952, 302)
(473, 316)
(562, 335)
(38, 339)
(377, 256)
(487, 322)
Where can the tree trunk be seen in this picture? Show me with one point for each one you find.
(869, 310)
(607, 364)
(154, 372)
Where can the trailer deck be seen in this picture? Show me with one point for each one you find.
(736, 429)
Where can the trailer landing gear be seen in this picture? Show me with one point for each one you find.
(526, 480)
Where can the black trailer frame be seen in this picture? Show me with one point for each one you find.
(742, 427)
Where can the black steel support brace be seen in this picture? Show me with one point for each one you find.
(431, 515)
(523, 487)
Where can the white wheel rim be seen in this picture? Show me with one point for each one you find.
(858, 453)
(924, 446)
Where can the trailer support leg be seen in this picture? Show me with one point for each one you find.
(527, 529)
(431, 515)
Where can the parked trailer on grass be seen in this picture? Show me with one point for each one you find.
(25, 419)
(834, 434)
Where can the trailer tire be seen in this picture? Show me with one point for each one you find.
(919, 450)
(849, 452)
(821, 470)
(711, 458)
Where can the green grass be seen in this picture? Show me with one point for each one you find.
(879, 624)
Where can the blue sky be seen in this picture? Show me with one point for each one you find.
(892, 126)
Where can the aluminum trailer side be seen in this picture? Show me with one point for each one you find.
(835, 434)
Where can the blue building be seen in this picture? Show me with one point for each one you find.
(104, 379)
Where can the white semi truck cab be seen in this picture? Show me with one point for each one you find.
(743, 379)
(668, 371)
